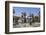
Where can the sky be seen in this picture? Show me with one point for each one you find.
(28, 10)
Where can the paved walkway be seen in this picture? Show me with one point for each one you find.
(26, 25)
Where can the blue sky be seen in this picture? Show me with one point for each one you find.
(28, 10)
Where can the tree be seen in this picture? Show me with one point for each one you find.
(39, 16)
(30, 19)
(13, 16)
(24, 16)
(13, 11)
(39, 13)
(36, 18)
(33, 18)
